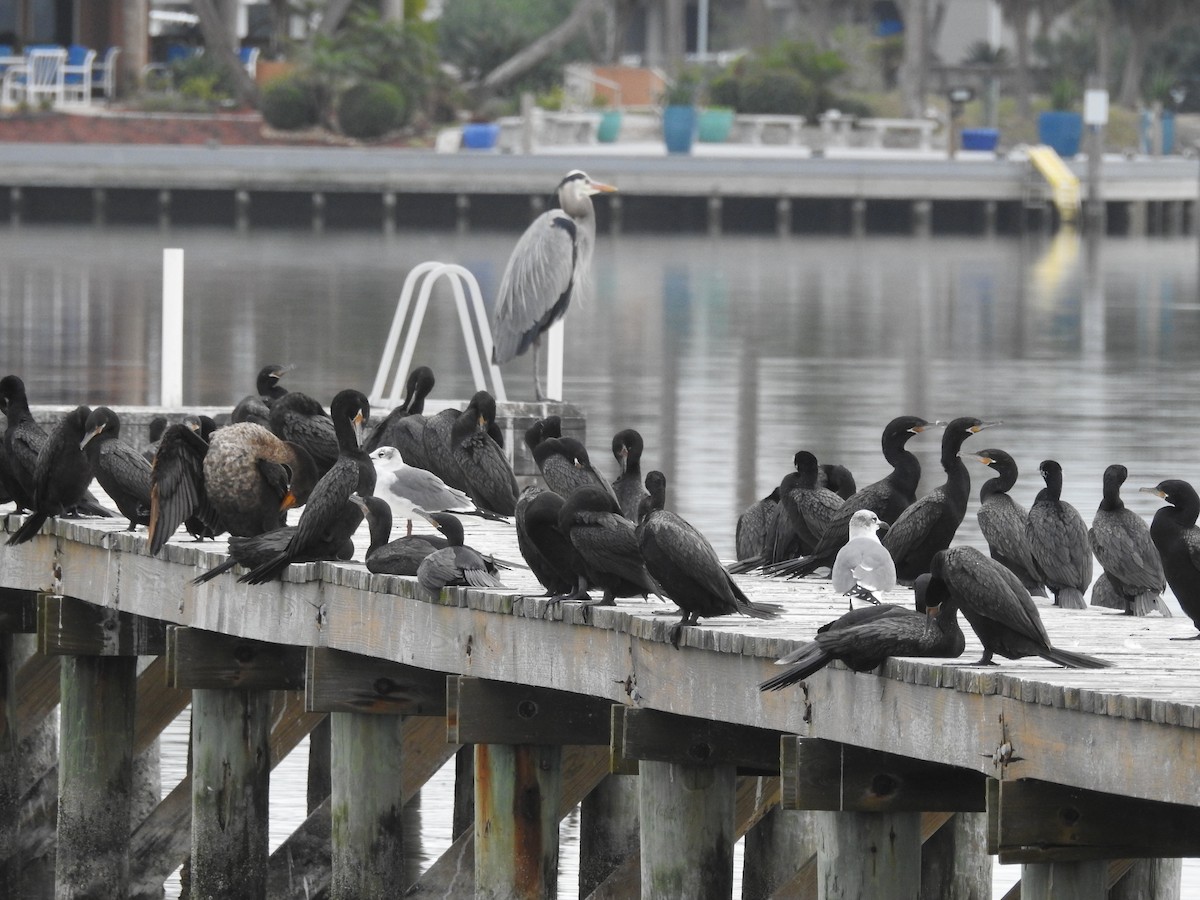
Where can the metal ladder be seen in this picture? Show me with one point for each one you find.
(475, 333)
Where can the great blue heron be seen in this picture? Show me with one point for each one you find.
(548, 266)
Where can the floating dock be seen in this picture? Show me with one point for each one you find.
(861, 784)
(763, 190)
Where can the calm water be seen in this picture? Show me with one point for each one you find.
(727, 354)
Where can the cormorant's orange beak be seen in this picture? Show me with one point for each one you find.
(288, 501)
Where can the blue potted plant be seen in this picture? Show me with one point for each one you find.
(1061, 127)
(679, 111)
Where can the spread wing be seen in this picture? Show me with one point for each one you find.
(176, 483)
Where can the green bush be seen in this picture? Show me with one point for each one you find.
(725, 90)
(289, 104)
(371, 109)
(775, 92)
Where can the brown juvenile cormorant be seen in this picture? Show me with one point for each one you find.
(887, 498)
(627, 448)
(61, 474)
(1058, 539)
(1177, 538)
(455, 564)
(1000, 610)
(251, 478)
(864, 638)
(1003, 521)
(121, 470)
(406, 438)
(929, 524)
(684, 564)
(863, 567)
(351, 473)
(1121, 540)
(546, 550)
(481, 459)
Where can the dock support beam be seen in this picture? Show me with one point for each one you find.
(367, 798)
(389, 213)
(858, 217)
(783, 216)
(714, 216)
(318, 212)
(990, 208)
(863, 854)
(241, 209)
(95, 775)
(1064, 880)
(922, 217)
(10, 768)
(687, 835)
(16, 203)
(462, 213)
(614, 210)
(955, 861)
(99, 206)
(164, 208)
(517, 787)
(231, 764)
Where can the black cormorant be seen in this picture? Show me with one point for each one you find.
(627, 448)
(121, 470)
(456, 563)
(605, 544)
(1177, 538)
(1004, 522)
(23, 440)
(1121, 540)
(929, 524)
(546, 550)
(756, 527)
(407, 438)
(256, 407)
(61, 474)
(684, 564)
(565, 465)
(1058, 539)
(177, 490)
(1000, 610)
(809, 506)
(864, 638)
(838, 479)
(302, 420)
(481, 459)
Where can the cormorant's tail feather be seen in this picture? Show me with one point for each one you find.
(270, 569)
(1069, 598)
(760, 610)
(1144, 604)
(799, 567)
(88, 506)
(1073, 660)
(808, 659)
(28, 529)
(482, 513)
(215, 571)
(742, 566)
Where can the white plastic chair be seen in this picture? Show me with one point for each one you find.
(77, 75)
(104, 73)
(39, 80)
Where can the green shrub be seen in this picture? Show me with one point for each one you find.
(725, 90)
(371, 109)
(289, 104)
(775, 92)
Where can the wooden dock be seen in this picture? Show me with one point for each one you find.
(838, 782)
(251, 187)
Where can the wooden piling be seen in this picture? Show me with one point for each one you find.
(608, 830)
(231, 763)
(955, 862)
(863, 854)
(367, 798)
(10, 768)
(516, 820)
(776, 848)
(1149, 879)
(687, 830)
(1064, 880)
(95, 775)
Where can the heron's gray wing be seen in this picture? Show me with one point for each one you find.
(536, 284)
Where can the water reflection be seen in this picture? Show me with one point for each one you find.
(728, 354)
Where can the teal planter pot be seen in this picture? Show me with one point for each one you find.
(1062, 131)
(714, 125)
(610, 127)
(679, 128)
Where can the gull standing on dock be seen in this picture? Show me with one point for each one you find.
(863, 567)
(549, 266)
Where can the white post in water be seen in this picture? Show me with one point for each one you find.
(554, 361)
(171, 392)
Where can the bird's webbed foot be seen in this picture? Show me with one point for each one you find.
(676, 631)
(579, 595)
(858, 592)
(1194, 637)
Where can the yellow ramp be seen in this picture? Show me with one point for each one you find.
(1061, 179)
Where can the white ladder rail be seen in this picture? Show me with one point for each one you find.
(427, 274)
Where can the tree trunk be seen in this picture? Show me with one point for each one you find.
(1131, 77)
(547, 44)
(1020, 24)
(216, 41)
(916, 52)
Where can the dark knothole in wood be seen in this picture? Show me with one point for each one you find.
(243, 653)
(700, 751)
(884, 785)
(384, 686)
(1069, 815)
(527, 709)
